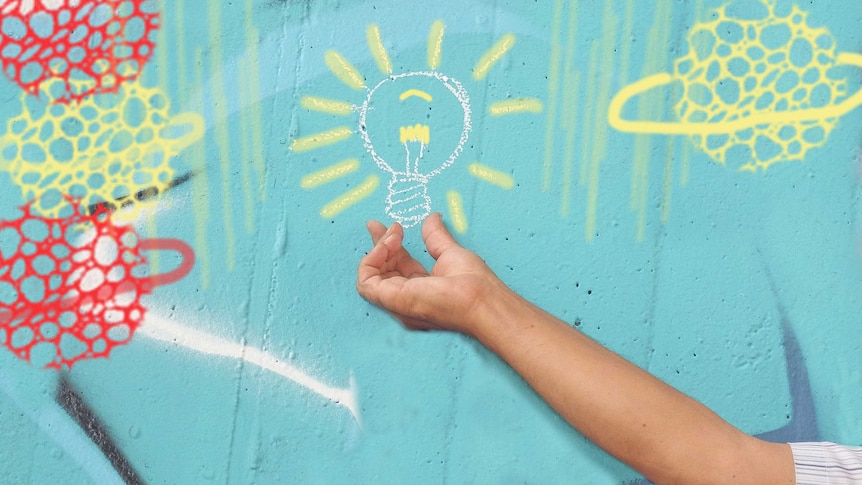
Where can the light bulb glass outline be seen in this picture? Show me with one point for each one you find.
(408, 189)
(453, 85)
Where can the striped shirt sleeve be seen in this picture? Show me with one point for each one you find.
(827, 464)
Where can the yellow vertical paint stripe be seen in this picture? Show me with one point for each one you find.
(609, 36)
(344, 70)
(329, 174)
(245, 150)
(685, 163)
(590, 115)
(492, 55)
(252, 40)
(435, 44)
(375, 45)
(317, 140)
(570, 101)
(350, 198)
(515, 106)
(626, 48)
(553, 87)
(667, 180)
(200, 186)
(658, 38)
(572, 87)
(223, 137)
(488, 174)
(329, 106)
(456, 211)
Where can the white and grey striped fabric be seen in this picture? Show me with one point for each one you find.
(827, 464)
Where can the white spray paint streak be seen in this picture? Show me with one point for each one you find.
(158, 328)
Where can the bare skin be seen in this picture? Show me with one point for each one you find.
(667, 436)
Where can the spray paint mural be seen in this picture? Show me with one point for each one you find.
(184, 189)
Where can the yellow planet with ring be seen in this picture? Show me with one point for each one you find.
(757, 90)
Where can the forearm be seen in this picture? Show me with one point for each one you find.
(657, 430)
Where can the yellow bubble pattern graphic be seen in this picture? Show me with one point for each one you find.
(108, 147)
(739, 69)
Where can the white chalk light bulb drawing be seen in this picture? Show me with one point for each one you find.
(420, 153)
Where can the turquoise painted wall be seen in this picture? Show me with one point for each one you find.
(679, 180)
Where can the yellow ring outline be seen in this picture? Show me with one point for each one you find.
(675, 128)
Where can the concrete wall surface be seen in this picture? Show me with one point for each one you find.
(185, 184)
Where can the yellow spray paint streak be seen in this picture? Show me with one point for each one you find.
(344, 70)
(492, 55)
(515, 106)
(667, 180)
(571, 84)
(626, 48)
(245, 150)
(350, 198)
(375, 45)
(164, 77)
(658, 38)
(572, 88)
(600, 144)
(317, 140)
(685, 165)
(456, 211)
(494, 177)
(200, 186)
(329, 106)
(197, 157)
(329, 174)
(435, 44)
(253, 73)
(553, 87)
(219, 95)
(590, 115)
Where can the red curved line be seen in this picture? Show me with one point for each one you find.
(185, 251)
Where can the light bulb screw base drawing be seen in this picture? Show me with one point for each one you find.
(408, 201)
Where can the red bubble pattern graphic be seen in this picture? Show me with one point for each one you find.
(92, 45)
(67, 291)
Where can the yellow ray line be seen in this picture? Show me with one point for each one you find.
(435, 44)
(515, 106)
(553, 86)
(492, 55)
(488, 174)
(317, 140)
(350, 198)
(200, 185)
(456, 211)
(600, 144)
(245, 150)
(323, 105)
(253, 56)
(329, 174)
(344, 70)
(375, 45)
(222, 132)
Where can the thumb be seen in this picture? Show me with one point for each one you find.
(437, 238)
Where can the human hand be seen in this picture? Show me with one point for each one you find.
(444, 299)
